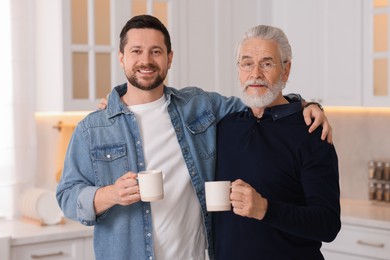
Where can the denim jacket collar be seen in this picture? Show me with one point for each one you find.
(116, 106)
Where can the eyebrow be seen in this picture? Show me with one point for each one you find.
(157, 47)
(263, 59)
(245, 57)
(141, 47)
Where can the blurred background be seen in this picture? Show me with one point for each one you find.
(59, 57)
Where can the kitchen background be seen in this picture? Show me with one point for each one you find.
(64, 58)
(59, 57)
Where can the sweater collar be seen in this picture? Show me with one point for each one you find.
(281, 111)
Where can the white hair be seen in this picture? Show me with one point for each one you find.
(267, 32)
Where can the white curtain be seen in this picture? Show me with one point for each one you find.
(17, 103)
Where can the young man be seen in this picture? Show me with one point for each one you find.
(147, 126)
(285, 190)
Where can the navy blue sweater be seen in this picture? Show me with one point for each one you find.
(296, 171)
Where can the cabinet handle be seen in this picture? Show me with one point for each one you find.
(47, 255)
(373, 244)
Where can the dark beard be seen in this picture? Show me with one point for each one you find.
(134, 81)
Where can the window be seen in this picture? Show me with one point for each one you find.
(380, 48)
(92, 49)
(157, 8)
(376, 43)
(93, 67)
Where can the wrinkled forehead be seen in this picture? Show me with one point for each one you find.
(259, 49)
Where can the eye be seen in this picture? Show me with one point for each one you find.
(136, 51)
(156, 52)
(246, 64)
(267, 64)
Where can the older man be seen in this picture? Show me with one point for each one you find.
(285, 189)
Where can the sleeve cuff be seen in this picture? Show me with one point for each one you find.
(85, 206)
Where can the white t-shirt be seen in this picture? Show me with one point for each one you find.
(177, 222)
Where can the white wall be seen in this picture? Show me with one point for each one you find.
(18, 142)
(360, 135)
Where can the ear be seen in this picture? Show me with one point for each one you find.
(286, 72)
(120, 58)
(170, 58)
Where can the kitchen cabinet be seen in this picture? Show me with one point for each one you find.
(376, 53)
(330, 255)
(64, 249)
(326, 40)
(332, 62)
(70, 240)
(326, 44)
(365, 232)
(88, 248)
(76, 44)
(4, 246)
(359, 242)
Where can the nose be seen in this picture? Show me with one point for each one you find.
(146, 57)
(257, 72)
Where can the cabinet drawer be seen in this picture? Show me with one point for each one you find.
(332, 255)
(59, 250)
(361, 241)
(88, 249)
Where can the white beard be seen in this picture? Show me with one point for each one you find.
(258, 100)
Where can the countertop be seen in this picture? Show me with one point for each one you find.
(22, 233)
(365, 213)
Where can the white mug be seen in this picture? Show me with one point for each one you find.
(218, 195)
(151, 185)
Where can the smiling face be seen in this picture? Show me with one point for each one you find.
(262, 85)
(145, 60)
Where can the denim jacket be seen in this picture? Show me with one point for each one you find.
(107, 144)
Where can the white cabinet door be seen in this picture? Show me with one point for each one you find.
(330, 255)
(64, 250)
(325, 36)
(360, 241)
(342, 55)
(5, 246)
(301, 20)
(88, 249)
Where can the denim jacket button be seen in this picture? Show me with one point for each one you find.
(108, 156)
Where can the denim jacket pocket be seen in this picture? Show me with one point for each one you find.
(109, 162)
(204, 136)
